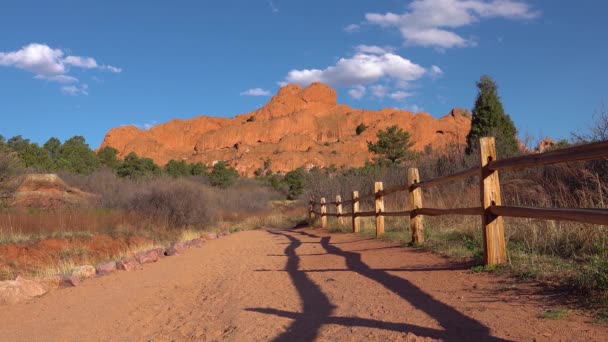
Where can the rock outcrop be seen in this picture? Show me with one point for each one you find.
(48, 191)
(297, 127)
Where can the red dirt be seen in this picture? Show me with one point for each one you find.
(24, 258)
(296, 285)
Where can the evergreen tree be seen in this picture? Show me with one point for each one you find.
(198, 169)
(176, 168)
(135, 167)
(52, 147)
(108, 156)
(77, 157)
(222, 175)
(392, 147)
(35, 157)
(489, 119)
(17, 143)
(295, 182)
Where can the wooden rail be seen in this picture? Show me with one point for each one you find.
(490, 210)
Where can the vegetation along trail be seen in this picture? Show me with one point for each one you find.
(296, 285)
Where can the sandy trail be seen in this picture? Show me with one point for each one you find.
(295, 285)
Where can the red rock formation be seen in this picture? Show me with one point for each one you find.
(298, 127)
(48, 191)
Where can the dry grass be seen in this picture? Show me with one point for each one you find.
(563, 253)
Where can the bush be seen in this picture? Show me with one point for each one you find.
(593, 277)
(135, 167)
(179, 203)
(295, 182)
(223, 176)
(360, 129)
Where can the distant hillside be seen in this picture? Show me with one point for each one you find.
(298, 127)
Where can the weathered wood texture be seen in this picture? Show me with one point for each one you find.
(355, 209)
(492, 225)
(323, 213)
(379, 202)
(339, 210)
(594, 216)
(416, 225)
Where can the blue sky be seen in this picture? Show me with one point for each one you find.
(82, 67)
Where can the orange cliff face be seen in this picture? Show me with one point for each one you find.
(298, 127)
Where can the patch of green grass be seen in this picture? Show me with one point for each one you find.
(601, 317)
(557, 313)
(593, 277)
(73, 252)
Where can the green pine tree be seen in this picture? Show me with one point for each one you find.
(489, 119)
(108, 156)
(392, 147)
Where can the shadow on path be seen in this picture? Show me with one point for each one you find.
(317, 309)
(457, 325)
(315, 304)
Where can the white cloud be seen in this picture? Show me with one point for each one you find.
(400, 95)
(51, 64)
(414, 108)
(379, 90)
(360, 69)
(81, 62)
(256, 92)
(352, 28)
(113, 69)
(431, 22)
(357, 92)
(435, 70)
(374, 50)
(75, 90)
(35, 58)
(58, 78)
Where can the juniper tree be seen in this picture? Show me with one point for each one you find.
(489, 119)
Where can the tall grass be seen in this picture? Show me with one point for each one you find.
(564, 252)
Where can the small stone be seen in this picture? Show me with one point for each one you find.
(18, 290)
(106, 268)
(147, 257)
(196, 242)
(69, 280)
(175, 248)
(160, 252)
(50, 283)
(84, 272)
(128, 264)
(210, 236)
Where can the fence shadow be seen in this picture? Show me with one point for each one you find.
(317, 308)
(457, 325)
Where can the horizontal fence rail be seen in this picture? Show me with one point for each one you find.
(491, 210)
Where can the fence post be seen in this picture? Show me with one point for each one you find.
(379, 209)
(323, 212)
(492, 225)
(355, 211)
(339, 210)
(311, 209)
(415, 202)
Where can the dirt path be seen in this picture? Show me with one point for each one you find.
(294, 285)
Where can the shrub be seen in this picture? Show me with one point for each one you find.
(295, 182)
(135, 167)
(360, 129)
(179, 203)
(222, 175)
(392, 147)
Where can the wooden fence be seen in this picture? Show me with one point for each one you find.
(491, 210)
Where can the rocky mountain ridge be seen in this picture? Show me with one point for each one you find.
(297, 127)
